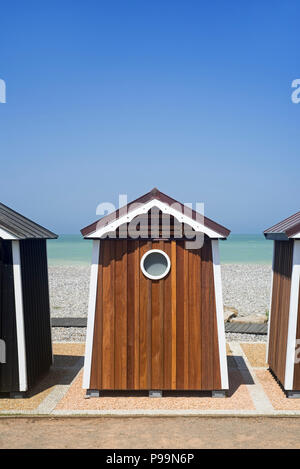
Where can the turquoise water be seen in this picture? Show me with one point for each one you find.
(246, 249)
(237, 249)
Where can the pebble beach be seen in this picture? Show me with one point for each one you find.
(246, 288)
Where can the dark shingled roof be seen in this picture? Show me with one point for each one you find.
(21, 227)
(284, 229)
(154, 194)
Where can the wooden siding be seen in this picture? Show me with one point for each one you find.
(36, 308)
(296, 384)
(155, 334)
(9, 372)
(283, 263)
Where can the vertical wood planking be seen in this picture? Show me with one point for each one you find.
(157, 329)
(167, 338)
(195, 340)
(108, 357)
(130, 313)
(180, 299)
(174, 312)
(283, 256)
(145, 347)
(186, 319)
(96, 381)
(155, 334)
(120, 314)
(208, 333)
(137, 316)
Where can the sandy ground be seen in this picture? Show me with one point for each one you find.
(174, 432)
(59, 396)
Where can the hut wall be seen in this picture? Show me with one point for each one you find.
(36, 308)
(155, 334)
(282, 273)
(9, 372)
(296, 384)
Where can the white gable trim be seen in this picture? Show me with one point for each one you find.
(6, 235)
(165, 208)
(296, 236)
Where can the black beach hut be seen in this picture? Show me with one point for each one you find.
(25, 330)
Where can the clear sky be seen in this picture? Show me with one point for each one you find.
(190, 96)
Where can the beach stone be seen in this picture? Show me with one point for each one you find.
(229, 313)
(253, 318)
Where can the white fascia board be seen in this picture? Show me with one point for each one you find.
(293, 316)
(165, 208)
(4, 234)
(220, 313)
(91, 315)
(19, 316)
(296, 236)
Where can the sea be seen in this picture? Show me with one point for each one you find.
(71, 249)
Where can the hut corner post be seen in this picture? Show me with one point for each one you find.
(17, 272)
(220, 317)
(293, 315)
(91, 316)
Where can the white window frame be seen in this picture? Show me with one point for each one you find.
(155, 277)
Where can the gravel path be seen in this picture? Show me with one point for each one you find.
(245, 287)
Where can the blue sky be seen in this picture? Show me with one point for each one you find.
(193, 97)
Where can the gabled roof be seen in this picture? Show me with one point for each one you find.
(288, 228)
(155, 198)
(16, 226)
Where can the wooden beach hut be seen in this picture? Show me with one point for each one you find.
(283, 351)
(155, 317)
(25, 332)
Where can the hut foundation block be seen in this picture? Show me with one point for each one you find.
(293, 394)
(16, 395)
(221, 394)
(155, 393)
(92, 393)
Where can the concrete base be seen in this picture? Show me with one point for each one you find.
(16, 395)
(155, 393)
(293, 394)
(221, 394)
(92, 393)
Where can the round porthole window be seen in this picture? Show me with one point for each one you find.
(155, 264)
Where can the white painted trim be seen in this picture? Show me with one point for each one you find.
(165, 208)
(293, 315)
(19, 315)
(296, 236)
(220, 313)
(155, 277)
(270, 307)
(6, 235)
(91, 315)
